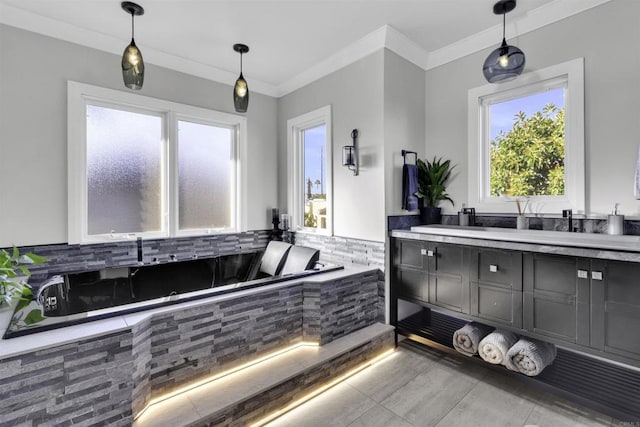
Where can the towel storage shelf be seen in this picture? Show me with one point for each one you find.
(588, 306)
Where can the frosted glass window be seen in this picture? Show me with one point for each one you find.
(124, 171)
(151, 168)
(205, 176)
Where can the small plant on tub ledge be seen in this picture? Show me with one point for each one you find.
(14, 290)
(432, 180)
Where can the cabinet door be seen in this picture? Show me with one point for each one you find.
(615, 307)
(556, 297)
(448, 267)
(409, 270)
(496, 286)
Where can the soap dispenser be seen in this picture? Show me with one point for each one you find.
(467, 216)
(615, 222)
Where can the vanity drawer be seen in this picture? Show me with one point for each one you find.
(497, 267)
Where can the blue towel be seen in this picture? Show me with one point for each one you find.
(409, 186)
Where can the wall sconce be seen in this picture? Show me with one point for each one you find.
(241, 89)
(132, 63)
(350, 154)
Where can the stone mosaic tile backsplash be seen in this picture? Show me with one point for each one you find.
(65, 258)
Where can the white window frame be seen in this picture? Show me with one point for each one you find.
(79, 95)
(295, 127)
(571, 72)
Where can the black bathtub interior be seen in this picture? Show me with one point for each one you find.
(90, 295)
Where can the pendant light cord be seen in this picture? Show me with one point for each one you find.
(240, 62)
(504, 24)
(132, 27)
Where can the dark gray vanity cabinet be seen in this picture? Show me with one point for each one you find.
(431, 272)
(496, 286)
(615, 307)
(409, 270)
(556, 297)
(448, 272)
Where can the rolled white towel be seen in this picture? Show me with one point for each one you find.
(530, 357)
(494, 347)
(467, 338)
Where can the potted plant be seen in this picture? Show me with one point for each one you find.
(15, 293)
(432, 180)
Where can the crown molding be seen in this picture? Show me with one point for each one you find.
(33, 22)
(384, 37)
(370, 43)
(406, 48)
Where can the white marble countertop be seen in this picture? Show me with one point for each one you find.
(66, 334)
(589, 245)
(560, 238)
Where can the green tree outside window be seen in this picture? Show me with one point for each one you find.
(529, 159)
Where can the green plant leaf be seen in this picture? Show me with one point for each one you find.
(36, 259)
(432, 180)
(34, 316)
(22, 303)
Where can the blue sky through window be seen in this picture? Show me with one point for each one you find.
(315, 158)
(502, 114)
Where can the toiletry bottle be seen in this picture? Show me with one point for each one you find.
(463, 216)
(615, 222)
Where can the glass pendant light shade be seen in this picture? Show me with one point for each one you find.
(132, 67)
(132, 63)
(241, 89)
(241, 95)
(506, 62)
(503, 64)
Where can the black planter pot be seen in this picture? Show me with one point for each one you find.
(430, 215)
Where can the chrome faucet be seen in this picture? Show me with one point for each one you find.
(568, 213)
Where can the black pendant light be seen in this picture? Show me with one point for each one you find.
(132, 63)
(241, 90)
(506, 62)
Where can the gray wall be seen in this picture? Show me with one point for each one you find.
(404, 112)
(33, 130)
(355, 94)
(607, 37)
(382, 95)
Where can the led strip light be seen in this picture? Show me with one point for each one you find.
(223, 374)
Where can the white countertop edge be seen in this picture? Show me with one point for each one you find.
(57, 337)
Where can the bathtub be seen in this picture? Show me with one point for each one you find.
(85, 296)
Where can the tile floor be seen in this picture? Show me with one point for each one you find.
(420, 386)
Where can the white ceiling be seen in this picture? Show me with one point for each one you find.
(292, 42)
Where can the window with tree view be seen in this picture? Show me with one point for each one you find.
(527, 144)
(526, 141)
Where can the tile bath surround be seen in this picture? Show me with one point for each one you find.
(110, 377)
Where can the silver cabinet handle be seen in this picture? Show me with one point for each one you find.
(423, 251)
(493, 268)
(429, 253)
(596, 275)
(583, 274)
